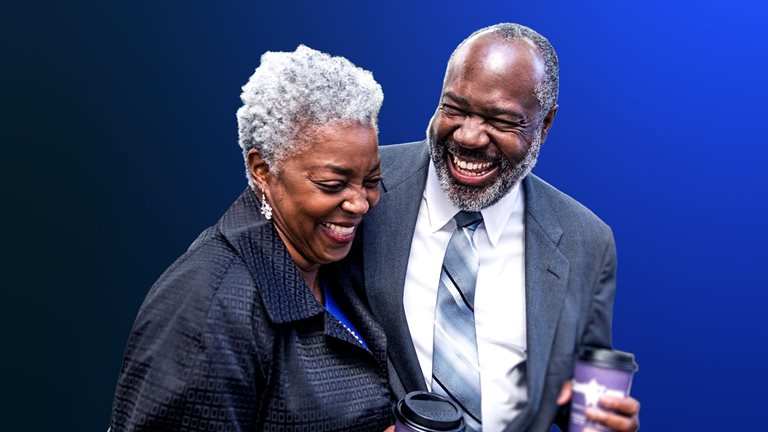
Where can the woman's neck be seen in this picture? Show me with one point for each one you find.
(312, 278)
(308, 270)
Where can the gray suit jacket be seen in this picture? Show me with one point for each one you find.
(570, 268)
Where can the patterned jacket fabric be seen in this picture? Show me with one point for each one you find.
(230, 338)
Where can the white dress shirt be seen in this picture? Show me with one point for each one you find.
(499, 295)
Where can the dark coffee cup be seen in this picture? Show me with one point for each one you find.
(599, 372)
(421, 411)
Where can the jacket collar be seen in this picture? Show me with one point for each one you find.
(284, 293)
(538, 208)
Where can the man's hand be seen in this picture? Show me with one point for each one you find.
(625, 417)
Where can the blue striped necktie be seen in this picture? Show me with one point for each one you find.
(455, 368)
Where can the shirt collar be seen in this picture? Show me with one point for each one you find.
(441, 210)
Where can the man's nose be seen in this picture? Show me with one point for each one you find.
(471, 133)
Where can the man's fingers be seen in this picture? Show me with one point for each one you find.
(615, 422)
(565, 393)
(629, 406)
(625, 418)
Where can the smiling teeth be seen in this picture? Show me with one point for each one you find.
(471, 166)
(339, 229)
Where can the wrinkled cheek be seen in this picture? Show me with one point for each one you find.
(516, 152)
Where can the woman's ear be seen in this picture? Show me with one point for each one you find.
(258, 169)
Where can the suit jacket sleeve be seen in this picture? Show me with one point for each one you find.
(598, 326)
(597, 331)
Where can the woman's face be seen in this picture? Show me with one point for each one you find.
(321, 194)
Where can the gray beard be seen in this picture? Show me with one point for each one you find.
(471, 198)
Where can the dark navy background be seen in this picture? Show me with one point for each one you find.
(120, 146)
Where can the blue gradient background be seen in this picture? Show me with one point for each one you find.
(120, 146)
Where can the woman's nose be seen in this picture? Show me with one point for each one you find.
(357, 201)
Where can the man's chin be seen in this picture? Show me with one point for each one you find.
(470, 197)
(474, 193)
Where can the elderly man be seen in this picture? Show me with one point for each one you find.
(506, 277)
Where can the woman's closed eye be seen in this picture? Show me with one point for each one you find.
(372, 182)
(331, 186)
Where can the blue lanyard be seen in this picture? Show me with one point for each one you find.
(333, 308)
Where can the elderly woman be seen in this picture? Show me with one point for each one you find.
(247, 330)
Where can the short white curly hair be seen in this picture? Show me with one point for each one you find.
(292, 93)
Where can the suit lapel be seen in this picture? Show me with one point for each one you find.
(388, 231)
(546, 275)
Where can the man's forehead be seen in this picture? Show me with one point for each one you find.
(491, 74)
(519, 58)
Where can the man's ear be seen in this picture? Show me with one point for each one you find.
(258, 169)
(547, 123)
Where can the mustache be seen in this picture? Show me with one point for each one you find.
(453, 147)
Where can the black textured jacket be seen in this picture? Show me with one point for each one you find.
(230, 338)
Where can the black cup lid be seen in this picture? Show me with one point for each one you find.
(428, 411)
(608, 358)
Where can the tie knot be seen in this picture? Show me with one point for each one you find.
(469, 220)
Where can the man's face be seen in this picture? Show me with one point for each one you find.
(486, 133)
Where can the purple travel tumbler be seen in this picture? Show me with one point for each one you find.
(598, 372)
(421, 411)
